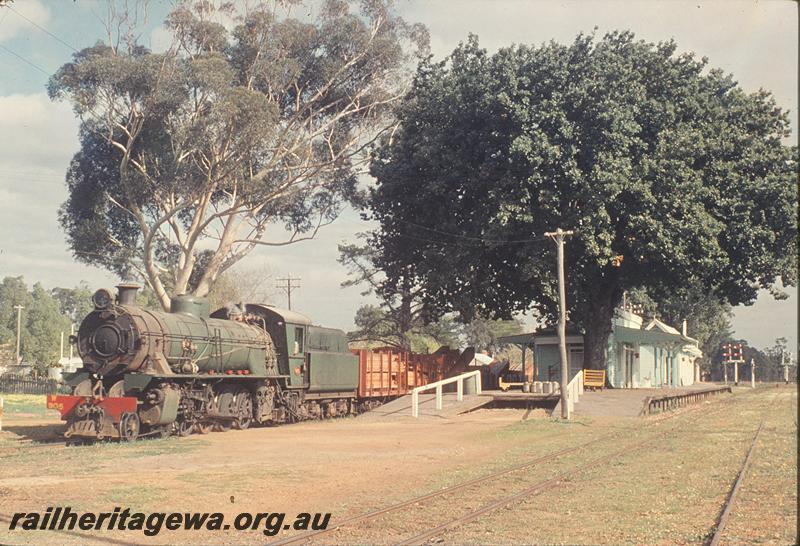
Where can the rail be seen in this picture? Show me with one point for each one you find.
(672, 401)
(459, 380)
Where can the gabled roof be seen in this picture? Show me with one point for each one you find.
(661, 326)
(654, 336)
(529, 338)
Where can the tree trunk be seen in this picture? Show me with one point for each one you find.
(597, 326)
(405, 316)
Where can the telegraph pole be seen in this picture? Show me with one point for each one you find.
(288, 287)
(19, 309)
(558, 237)
(785, 367)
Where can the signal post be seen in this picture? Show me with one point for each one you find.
(732, 352)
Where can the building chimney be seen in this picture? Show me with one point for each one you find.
(126, 293)
(684, 329)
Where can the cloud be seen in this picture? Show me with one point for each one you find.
(40, 139)
(14, 24)
(43, 134)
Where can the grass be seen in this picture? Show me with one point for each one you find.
(35, 404)
(670, 491)
(137, 498)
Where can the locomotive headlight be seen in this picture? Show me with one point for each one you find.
(102, 299)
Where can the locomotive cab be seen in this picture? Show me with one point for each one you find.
(289, 332)
(312, 358)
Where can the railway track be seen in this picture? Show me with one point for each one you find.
(727, 508)
(534, 489)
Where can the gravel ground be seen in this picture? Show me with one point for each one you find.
(668, 492)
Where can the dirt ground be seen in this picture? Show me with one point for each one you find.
(669, 492)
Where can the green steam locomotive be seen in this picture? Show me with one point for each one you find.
(150, 373)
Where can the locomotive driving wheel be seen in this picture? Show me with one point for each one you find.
(227, 407)
(245, 410)
(185, 427)
(203, 427)
(129, 427)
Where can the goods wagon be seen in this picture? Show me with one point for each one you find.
(387, 372)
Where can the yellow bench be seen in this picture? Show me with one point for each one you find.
(505, 386)
(594, 379)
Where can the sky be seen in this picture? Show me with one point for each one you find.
(755, 41)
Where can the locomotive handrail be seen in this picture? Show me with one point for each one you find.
(459, 380)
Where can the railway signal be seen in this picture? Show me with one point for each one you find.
(732, 354)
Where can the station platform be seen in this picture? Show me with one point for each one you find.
(605, 403)
(451, 407)
(631, 402)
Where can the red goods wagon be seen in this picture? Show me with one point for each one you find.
(387, 372)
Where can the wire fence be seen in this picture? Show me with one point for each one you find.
(15, 384)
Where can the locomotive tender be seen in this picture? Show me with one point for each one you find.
(155, 373)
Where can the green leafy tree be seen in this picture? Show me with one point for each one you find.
(645, 153)
(398, 317)
(192, 157)
(399, 320)
(75, 303)
(44, 323)
(375, 326)
(41, 322)
(483, 333)
(777, 354)
(13, 292)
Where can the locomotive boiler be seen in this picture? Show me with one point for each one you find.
(157, 373)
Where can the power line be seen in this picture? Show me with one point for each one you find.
(23, 59)
(43, 29)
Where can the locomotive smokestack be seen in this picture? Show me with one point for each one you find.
(126, 293)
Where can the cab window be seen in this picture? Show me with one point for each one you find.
(298, 341)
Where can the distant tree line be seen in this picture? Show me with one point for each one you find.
(46, 314)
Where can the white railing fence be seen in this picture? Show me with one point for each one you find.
(574, 390)
(459, 380)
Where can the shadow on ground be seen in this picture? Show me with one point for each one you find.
(44, 433)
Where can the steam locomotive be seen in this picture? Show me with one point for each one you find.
(150, 373)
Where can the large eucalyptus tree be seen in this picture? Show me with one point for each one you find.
(249, 124)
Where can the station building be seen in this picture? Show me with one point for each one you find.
(639, 354)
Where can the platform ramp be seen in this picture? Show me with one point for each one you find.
(451, 407)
